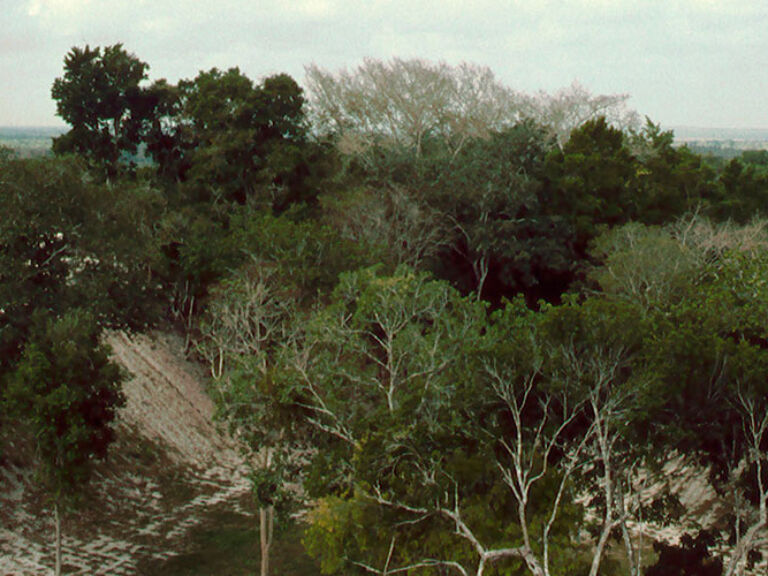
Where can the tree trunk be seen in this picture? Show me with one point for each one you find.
(57, 523)
(266, 526)
(480, 267)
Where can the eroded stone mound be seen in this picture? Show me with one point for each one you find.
(168, 470)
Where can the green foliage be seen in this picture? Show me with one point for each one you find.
(66, 241)
(332, 529)
(399, 385)
(385, 402)
(75, 257)
(743, 194)
(247, 142)
(101, 98)
(309, 253)
(709, 348)
(668, 180)
(206, 248)
(65, 390)
(394, 383)
(491, 193)
(428, 426)
(703, 351)
(755, 157)
(6, 153)
(167, 140)
(644, 264)
(590, 179)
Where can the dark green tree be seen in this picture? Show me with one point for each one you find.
(743, 193)
(590, 181)
(101, 98)
(669, 180)
(168, 140)
(503, 241)
(65, 392)
(65, 241)
(247, 141)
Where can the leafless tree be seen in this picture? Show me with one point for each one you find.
(751, 529)
(248, 315)
(392, 220)
(400, 102)
(570, 107)
(608, 396)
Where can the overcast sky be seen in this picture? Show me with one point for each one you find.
(684, 62)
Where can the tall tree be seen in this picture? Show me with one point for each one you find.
(743, 193)
(74, 257)
(247, 141)
(492, 200)
(168, 139)
(65, 392)
(101, 98)
(669, 180)
(443, 440)
(568, 108)
(401, 104)
(248, 319)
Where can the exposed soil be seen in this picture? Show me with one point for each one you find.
(169, 470)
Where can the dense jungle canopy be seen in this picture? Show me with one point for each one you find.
(460, 327)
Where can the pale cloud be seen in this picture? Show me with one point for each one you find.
(160, 25)
(55, 7)
(684, 61)
(314, 8)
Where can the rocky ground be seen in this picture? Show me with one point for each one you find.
(170, 469)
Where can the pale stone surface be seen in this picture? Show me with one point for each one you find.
(133, 511)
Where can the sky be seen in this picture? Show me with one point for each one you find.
(683, 62)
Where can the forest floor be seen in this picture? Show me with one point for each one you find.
(171, 473)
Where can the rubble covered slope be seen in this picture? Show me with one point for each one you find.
(169, 469)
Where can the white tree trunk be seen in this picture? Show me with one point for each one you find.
(266, 526)
(57, 524)
(755, 423)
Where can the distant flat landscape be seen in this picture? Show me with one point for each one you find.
(721, 142)
(29, 141)
(687, 133)
(32, 141)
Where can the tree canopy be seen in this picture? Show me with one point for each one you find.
(100, 96)
(460, 328)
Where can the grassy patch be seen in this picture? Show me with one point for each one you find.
(228, 543)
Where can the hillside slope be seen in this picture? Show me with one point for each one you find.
(169, 469)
